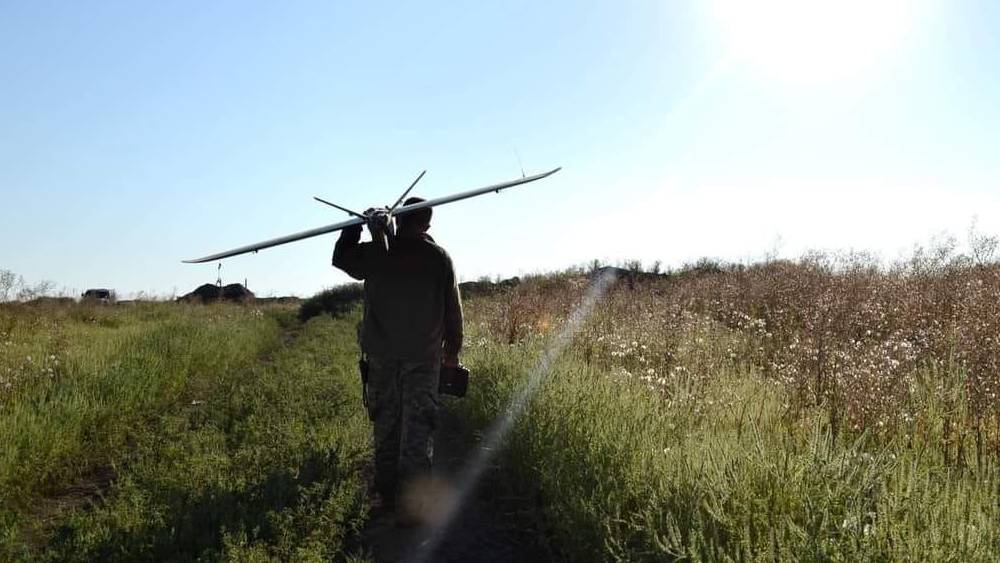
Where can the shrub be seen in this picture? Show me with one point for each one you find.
(336, 301)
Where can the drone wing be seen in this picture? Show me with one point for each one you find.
(473, 193)
(357, 221)
(276, 241)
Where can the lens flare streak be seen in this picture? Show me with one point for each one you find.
(498, 431)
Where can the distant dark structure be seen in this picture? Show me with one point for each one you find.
(99, 295)
(210, 293)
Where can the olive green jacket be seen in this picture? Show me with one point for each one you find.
(412, 306)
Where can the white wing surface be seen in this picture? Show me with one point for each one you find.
(473, 193)
(356, 221)
(276, 241)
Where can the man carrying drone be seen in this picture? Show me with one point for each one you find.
(412, 326)
(412, 329)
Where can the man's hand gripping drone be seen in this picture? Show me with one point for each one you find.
(381, 221)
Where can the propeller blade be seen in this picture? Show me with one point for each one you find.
(402, 197)
(344, 209)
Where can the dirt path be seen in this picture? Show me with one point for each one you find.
(490, 526)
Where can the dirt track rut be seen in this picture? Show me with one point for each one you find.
(491, 525)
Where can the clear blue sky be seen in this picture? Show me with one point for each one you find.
(134, 135)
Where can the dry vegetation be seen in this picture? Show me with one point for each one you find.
(894, 353)
(827, 408)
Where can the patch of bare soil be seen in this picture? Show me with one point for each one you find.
(85, 490)
(491, 524)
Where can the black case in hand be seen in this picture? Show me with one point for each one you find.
(453, 381)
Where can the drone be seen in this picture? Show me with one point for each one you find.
(381, 221)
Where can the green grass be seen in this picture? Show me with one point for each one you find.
(624, 472)
(663, 433)
(172, 432)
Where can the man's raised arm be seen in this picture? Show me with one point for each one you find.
(348, 255)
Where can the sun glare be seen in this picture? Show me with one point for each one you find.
(814, 42)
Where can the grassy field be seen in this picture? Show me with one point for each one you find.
(817, 411)
(174, 432)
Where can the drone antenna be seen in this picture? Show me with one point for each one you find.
(402, 197)
(519, 163)
(344, 209)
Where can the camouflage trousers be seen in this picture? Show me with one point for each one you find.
(403, 399)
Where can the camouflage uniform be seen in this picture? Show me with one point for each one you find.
(413, 315)
(403, 401)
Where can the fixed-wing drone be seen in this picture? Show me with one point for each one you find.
(381, 221)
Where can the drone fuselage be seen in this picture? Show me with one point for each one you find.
(381, 221)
